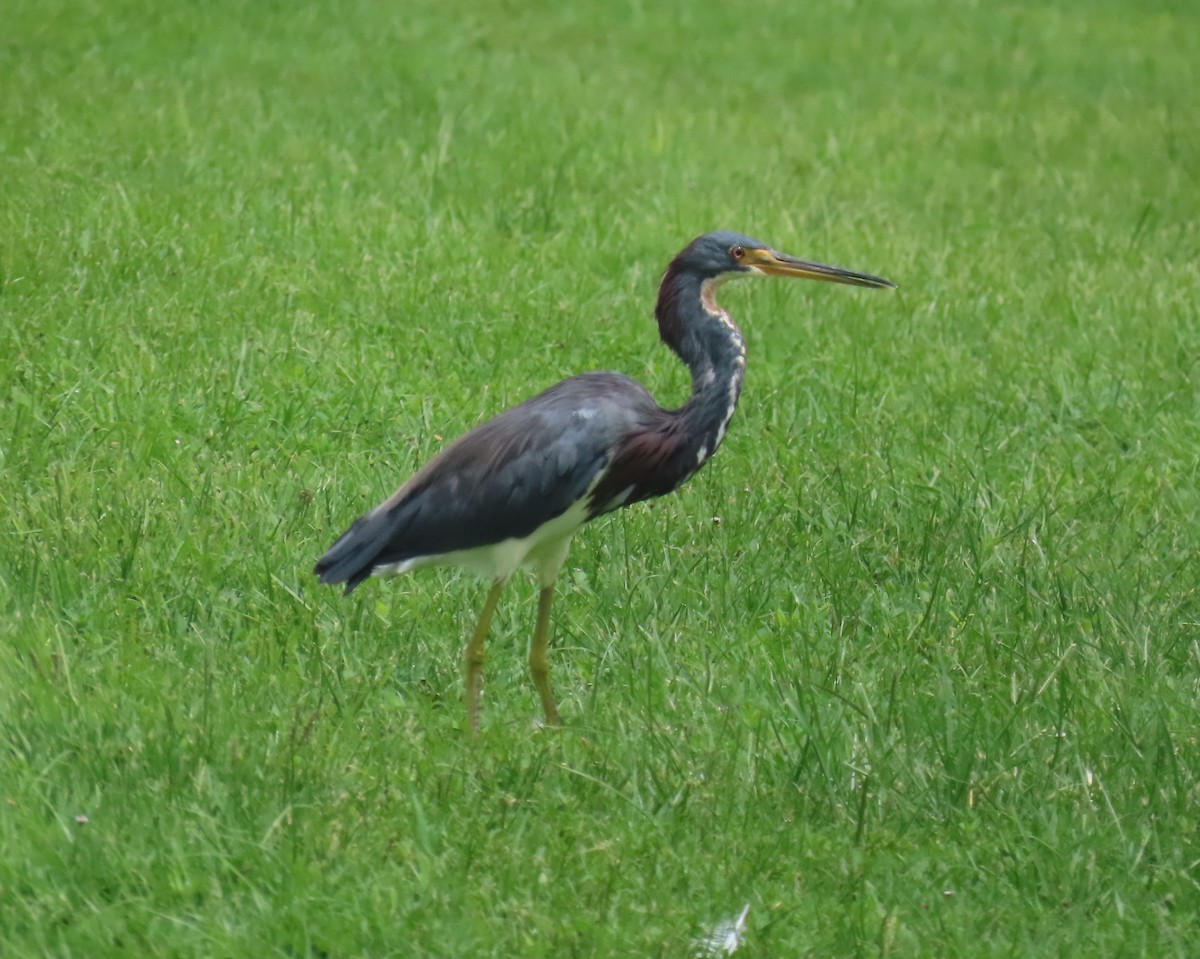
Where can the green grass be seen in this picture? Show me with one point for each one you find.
(911, 667)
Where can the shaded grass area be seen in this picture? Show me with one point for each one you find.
(911, 667)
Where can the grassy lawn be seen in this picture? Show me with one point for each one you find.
(912, 668)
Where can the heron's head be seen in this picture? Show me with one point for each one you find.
(724, 255)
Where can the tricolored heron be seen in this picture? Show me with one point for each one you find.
(512, 492)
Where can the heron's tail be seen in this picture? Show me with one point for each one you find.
(354, 556)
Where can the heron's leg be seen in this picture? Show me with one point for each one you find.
(539, 661)
(475, 655)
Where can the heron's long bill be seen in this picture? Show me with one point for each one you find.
(780, 264)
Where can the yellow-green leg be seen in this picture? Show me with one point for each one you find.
(539, 660)
(475, 655)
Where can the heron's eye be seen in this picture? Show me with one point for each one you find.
(737, 252)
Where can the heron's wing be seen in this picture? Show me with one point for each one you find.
(503, 480)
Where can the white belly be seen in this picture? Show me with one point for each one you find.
(543, 551)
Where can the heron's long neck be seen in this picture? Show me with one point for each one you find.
(705, 337)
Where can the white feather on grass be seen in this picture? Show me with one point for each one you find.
(725, 937)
